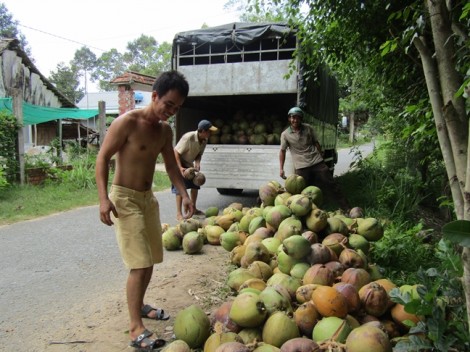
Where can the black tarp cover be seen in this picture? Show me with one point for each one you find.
(240, 33)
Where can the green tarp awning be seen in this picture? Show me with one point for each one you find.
(34, 114)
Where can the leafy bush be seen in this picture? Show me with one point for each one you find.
(9, 127)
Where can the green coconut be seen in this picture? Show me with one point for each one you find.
(212, 211)
(272, 244)
(265, 347)
(285, 262)
(256, 223)
(317, 220)
(171, 239)
(177, 346)
(192, 325)
(250, 335)
(296, 246)
(314, 193)
(288, 227)
(237, 277)
(230, 239)
(299, 269)
(244, 222)
(359, 242)
(331, 328)
(188, 225)
(371, 229)
(294, 184)
(248, 310)
(299, 204)
(193, 242)
(289, 283)
(281, 199)
(279, 328)
(275, 301)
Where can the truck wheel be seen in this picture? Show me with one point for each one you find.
(229, 191)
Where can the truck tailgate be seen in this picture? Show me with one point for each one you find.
(242, 166)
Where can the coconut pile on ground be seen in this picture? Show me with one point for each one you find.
(302, 279)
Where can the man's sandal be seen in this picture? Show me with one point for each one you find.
(160, 313)
(143, 343)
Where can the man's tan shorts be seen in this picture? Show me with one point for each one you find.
(138, 228)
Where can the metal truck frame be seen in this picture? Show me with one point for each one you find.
(250, 66)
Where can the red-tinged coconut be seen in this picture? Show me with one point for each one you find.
(336, 268)
(319, 254)
(368, 338)
(331, 328)
(267, 194)
(318, 274)
(256, 251)
(248, 310)
(374, 299)
(277, 214)
(356, 276)
(300, 344)
(219, 338)
(188, 225)
(279, 328)
(356, 212)
(220, 317)
(192, 242)
(236, 254)
(304, 293)
(311, 236)
(350, 293)
(351, 259)
(306, 316)
(329, 302)
(336, 242)
(192, 325)
(232, 347)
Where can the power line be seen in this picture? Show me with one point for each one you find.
(63, 38)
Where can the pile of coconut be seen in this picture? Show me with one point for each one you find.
(302, 279)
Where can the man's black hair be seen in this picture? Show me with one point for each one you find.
(171, 80)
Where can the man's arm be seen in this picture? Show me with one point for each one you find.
(197, 162)
(115, 138)
(282, 160)
(175, 175)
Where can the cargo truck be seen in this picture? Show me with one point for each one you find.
(243, 78)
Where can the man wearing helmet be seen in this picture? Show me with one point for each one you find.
(307, 156)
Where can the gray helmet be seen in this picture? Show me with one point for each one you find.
(296, 111)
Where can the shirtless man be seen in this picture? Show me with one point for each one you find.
(137, 138)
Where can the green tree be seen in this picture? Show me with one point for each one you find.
(9, 28)
(67, 81)
(146, 56)
(84, 60)
(109, 65)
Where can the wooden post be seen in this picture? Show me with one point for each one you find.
(351, 128)
(102, 121)
(17, 100)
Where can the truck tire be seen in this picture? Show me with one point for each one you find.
(229, 191)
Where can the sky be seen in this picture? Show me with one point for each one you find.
(55, 29)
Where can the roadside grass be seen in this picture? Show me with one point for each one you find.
(19, 203)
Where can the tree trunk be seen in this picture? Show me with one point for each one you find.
(455, 116)
(351, 128)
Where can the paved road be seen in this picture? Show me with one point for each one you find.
(51, 263)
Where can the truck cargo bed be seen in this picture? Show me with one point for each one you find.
(242, 166)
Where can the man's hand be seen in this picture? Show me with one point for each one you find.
(105, 212)
(188, 208)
